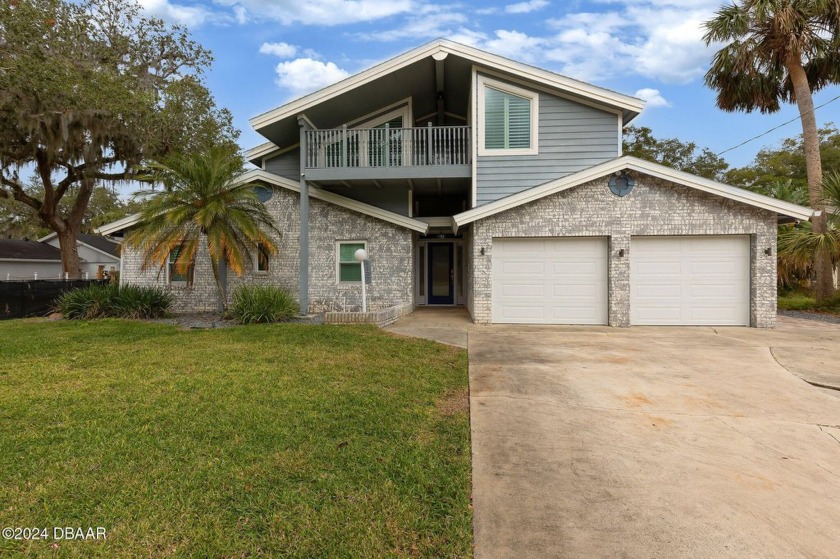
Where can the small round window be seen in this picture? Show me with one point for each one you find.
(620, 184)
(263, 193)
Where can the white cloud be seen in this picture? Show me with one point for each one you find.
(305, 75)
(425, 26)
(652, 97)
(515, 45)
(526, 7)
(658, 39)
(281, 50)
(321, 12)
(191, 16)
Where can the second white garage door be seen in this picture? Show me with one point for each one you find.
(690, 280)
(550, 280)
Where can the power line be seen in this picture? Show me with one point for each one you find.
(776, 127)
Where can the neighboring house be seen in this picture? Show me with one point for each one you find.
(474, 180)
(24, 259)
(28, 260)
(99, 255)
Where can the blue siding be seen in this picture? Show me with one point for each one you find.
(285, 165)
(572, 137)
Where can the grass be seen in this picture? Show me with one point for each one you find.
(267, 440)
(805, 301)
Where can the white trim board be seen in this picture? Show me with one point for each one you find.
(562, 83)
(314, 192)
(634, 164)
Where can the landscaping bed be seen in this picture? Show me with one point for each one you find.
(270, 440)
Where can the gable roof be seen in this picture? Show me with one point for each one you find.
(95, 242)
(629, 106)
(258, 175)
(634, 164)
(14, 249)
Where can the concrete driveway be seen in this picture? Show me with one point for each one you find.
(655, 442)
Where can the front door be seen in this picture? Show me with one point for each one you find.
(441, 286)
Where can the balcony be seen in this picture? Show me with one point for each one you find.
(388, 153)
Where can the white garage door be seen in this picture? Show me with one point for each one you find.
(690, 280)
(550, 281)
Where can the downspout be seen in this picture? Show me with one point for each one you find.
(304, 222)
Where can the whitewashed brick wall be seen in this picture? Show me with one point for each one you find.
(654, 207)
(390, 248)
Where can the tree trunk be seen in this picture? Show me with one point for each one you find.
(813, 167)
(70, 252)
(220, 276)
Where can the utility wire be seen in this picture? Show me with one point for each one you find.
(776, 127)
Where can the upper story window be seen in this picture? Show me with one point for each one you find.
(508, 123)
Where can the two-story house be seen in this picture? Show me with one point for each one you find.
(474, 180)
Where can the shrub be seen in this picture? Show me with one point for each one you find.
(262, 303)
(113, 301)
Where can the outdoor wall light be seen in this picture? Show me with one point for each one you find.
(621, 252)
(482, 251)
(768, 251)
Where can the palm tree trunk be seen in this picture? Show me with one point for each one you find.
(813, 168)
(220, 275)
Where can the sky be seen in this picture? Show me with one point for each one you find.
(269, 52)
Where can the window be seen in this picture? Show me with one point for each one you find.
(509, 119)
(178, 273)
(262, 258)
(349, 270)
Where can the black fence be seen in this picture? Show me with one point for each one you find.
(19, 299)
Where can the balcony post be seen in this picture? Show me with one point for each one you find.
(304, 222)
(344, 145)
(387, 144)
(429, 143)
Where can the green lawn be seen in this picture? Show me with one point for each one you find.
(275, 440)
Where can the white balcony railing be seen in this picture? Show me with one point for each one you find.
(388, 147)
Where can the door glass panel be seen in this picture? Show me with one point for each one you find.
(422, 271)
(440, 271)
(459, 269)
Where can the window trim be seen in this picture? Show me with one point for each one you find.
(534, 98)
(257, 261)
(338, 261)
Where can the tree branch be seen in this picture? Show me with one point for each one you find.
(18, 193)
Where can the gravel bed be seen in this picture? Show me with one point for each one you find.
(823, 317)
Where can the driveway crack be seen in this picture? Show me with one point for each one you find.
(828, 433)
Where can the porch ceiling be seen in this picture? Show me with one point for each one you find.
(422, 188)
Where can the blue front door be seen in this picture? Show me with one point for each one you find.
(441, 286)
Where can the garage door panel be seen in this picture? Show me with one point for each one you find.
(659, 291)
(690, 280)
(526, 268)
(572, 291)
(523, 290)
(572, 273)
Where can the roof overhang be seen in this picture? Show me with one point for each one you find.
(258, 175)
(780, 207)
(629, 106)
(256, 154)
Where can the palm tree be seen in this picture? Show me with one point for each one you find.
(202, 201)
(780, 50)
(800, 244)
